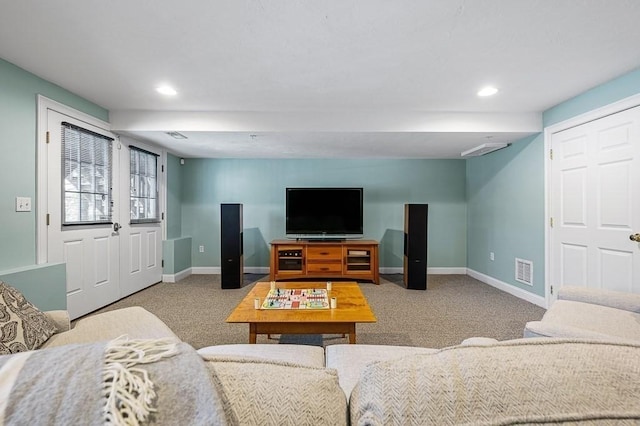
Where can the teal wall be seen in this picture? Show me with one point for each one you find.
(43, 285)
(612, 91)
(505, 207)
(176, 253)
(174, 197)
(18, 109)
(388, 184)
(505, 192)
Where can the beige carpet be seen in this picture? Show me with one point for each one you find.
(453, 308)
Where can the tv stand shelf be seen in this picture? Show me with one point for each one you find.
(346, 259)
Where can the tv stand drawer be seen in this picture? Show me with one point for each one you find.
(313, 267)
(324, 253)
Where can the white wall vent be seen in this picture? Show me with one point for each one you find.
(524, 271)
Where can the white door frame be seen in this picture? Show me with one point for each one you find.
(42, 208)
(624, 104)
(44, 104)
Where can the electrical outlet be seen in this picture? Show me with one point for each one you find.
(201, 249)
(491, 256)
(23, 204)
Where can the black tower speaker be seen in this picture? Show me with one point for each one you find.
(231, 262)
(415, 246)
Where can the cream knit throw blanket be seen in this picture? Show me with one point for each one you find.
(523, 382)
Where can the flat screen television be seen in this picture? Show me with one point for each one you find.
(324, 213)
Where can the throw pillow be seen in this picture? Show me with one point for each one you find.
(23, 327)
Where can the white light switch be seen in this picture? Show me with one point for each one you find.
(23, 204)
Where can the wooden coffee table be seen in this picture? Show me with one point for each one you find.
(352, 308)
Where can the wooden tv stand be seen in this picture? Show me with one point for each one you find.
(347, 259)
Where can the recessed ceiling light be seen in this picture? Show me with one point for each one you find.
(487, 91)
(167, 90)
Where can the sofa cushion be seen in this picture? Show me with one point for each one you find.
(524, 381)
(350, 360)
(23, 327)
(134, 322)
(259, 392)
(568, 318)
(309, 356)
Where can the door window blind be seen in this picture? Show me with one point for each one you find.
(144, 186)
(86, 176)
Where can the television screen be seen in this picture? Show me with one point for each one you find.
(324, 212)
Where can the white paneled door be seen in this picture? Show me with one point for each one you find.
(83, 236)
(595, 204)
(140, 238)
(88, 208)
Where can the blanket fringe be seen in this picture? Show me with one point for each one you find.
(127, 390)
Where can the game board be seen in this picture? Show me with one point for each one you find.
(282, 298)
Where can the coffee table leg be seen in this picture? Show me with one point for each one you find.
(352, 334)
(252, 333)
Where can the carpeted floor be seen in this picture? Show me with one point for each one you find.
(453, 308)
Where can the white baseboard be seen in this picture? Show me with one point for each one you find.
(447, 271)
(212, 270)
(209, 270)
(173, 278)
(432, 271)
(256, 270)
(206, 270)
(216, 270)
(515, 291)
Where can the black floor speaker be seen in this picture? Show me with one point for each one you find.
(415, 246)
(231, 262)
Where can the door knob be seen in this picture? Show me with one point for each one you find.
(635, 237)
(116, 227)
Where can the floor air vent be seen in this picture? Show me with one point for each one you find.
(524, 271)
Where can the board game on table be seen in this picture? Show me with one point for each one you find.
(352, 308)
(296, 298)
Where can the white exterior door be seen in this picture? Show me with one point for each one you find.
(90, 250)
(595, 204)
(141, 239)
(105, 259)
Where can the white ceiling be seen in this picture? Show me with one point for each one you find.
(324, 78)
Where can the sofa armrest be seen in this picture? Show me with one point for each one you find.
(543, 329)
(60, 319)
(613, 299)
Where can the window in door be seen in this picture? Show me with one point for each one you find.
(144, 186)
(87, 176)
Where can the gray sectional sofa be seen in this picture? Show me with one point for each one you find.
(481, 381)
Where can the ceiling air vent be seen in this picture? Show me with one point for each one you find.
(524, 271)
(483, 149)
(176, 135)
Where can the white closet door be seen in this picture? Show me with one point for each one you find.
(595, 204)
